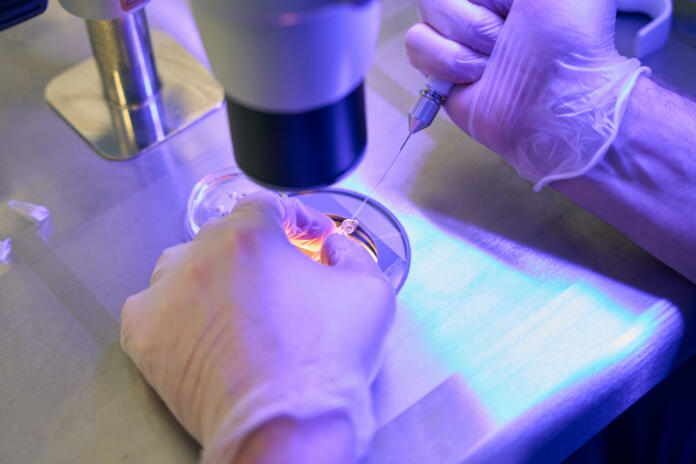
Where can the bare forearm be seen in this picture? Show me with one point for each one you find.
(646, 184)
(327, 439)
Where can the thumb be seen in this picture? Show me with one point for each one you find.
(340, 251)
(304, 224)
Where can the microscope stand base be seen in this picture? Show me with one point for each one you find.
(189, 92)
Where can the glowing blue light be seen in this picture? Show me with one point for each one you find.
(519, 338)
(516, 332)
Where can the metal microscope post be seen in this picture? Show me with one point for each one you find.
(123, 51)
(125, 105)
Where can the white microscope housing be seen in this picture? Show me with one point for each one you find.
(293, 74)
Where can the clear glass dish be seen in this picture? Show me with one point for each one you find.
(379, 231)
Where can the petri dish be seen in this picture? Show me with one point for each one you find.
(379, 231)
(383, 229)
(215, 196)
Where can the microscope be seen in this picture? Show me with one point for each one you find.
(292, 75)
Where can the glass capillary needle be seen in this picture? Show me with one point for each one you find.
(422, 115)
(374, 187)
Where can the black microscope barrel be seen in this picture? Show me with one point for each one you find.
(299, 151)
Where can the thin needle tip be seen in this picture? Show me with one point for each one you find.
(405, 141)
(374, 188)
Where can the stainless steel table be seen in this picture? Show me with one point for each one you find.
(525, 326)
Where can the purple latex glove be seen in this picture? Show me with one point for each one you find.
(550, 97)
(240, 328)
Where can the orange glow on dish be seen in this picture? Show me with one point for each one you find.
(312, 248)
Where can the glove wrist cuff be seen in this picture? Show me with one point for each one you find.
(603, 122)
(310, 392)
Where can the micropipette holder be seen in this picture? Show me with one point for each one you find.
(431, 99)
(422, 115)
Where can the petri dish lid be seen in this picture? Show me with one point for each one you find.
(215, 196)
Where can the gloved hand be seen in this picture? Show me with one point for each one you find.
(239, 327)
(552, 93)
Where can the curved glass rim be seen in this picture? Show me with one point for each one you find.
(202, 187)
(382, 209)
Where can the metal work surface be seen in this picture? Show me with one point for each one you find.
(524, 327)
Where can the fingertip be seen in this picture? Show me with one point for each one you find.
(463, 21)
(303, 222)
(261, 212)
(264, 202)
(341, 251)
(166, 259)
(211, 223)
(438, 56)
(258, 211)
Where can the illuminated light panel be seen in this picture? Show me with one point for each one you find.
(516, 334)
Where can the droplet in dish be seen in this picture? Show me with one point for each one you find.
(348, 226)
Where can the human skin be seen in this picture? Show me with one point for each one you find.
(646, 184)
(643, 185)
